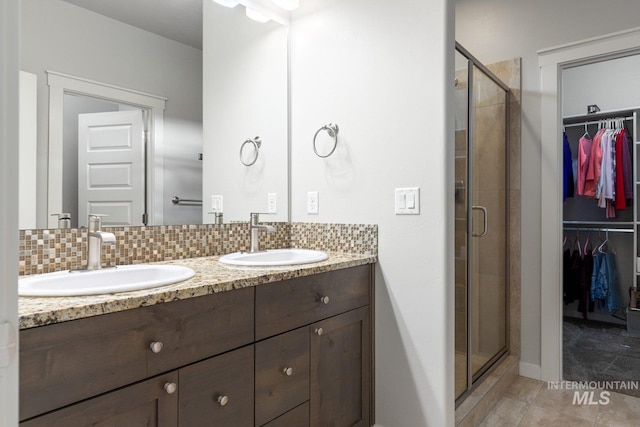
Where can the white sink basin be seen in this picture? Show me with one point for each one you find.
(274, 257)
(121, 279)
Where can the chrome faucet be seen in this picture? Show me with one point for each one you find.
(95, 239)
(254, 229)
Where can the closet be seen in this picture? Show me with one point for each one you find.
(600, 218)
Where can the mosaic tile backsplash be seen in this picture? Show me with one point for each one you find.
(45, 251)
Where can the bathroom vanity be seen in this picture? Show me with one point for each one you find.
(284, 347)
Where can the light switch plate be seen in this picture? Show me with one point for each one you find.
(312, 202)
(216, 204)
(407, 201)
(271, 203)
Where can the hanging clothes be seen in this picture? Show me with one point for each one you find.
(604, 284)
(566, 275)
(603, 167)
(621, 201)
(567, 169)
(577, 270)
(585, 304)
(627, 174)
(584, 153)
(595, 162)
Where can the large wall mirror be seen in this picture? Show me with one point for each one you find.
(181, 85)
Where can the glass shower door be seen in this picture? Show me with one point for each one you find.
(488, 225)
(461, 177)
(481, 222)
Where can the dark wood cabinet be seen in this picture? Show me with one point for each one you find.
(218, 391)
(286, 305)
(297, 417)
(340, 370)
(151, 403)
(282, 374)
(66, 362)
(248, 357)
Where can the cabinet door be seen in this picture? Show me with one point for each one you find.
(282, 374)
(290, 304)
(218, 391)
(340, 370)
(153, 402)
(297, 417)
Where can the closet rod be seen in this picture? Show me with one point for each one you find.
(606, 230)
(596, 121)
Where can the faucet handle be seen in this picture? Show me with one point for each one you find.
(95, 221)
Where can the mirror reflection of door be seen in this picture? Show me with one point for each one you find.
(111, 172)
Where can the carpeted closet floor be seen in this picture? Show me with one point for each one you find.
(598, 351)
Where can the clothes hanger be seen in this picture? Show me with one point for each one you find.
(587, 243)
(609, 247)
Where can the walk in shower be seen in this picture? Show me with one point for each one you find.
(481, 221)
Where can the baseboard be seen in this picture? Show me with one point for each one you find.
(530, 370)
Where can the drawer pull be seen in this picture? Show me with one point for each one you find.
(287, 371)
(317, 331)
(170, 388)
(156, 346)
(223, 400)
(324, 300)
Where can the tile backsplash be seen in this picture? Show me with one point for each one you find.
(44, 251)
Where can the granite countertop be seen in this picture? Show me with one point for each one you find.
(211, 277)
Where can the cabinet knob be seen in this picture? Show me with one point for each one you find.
(317, 331)
(324, 300)
(156, 346)
(170, 388)
(223, 400)
(287, 371)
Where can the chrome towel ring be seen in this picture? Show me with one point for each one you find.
(332, 129)
(256, 142)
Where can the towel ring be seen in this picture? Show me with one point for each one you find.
(332, 129)
(256, 142)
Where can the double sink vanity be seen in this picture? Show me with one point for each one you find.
(275, 338)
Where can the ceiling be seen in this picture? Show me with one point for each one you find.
(179, 20)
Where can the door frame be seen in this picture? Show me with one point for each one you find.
(552, 62)
(9, 146)
(59, 84)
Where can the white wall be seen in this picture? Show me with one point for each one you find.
(58, 36)
(245, 95)
(28, 150)
(384, 73)
(612, 85)
(9, 131)
(495, 30)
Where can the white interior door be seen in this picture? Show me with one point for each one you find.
(111, 172)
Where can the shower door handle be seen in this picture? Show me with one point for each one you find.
(485, 213)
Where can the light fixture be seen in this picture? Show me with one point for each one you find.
(287, 4)
(256, 16)
(227, 3)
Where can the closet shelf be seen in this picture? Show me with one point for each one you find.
(607, 223)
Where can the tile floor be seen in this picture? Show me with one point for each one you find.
(529, 402)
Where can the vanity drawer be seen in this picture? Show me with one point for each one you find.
(197, 328)
(67, 362)
(297, 417)
(289, 304)
(218, 391)
(282, 374)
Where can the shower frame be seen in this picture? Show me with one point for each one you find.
(474, 380)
